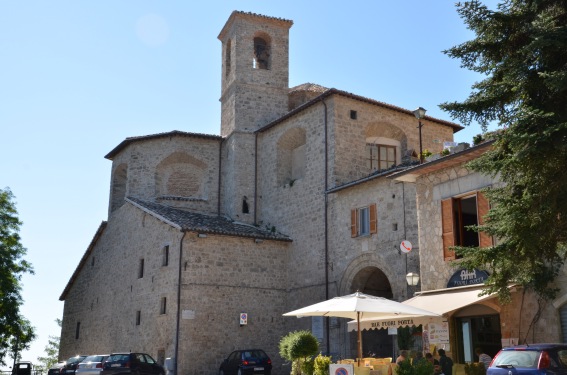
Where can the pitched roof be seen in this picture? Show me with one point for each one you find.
(238, 13)
(83, 260)
(196, 222)
(333, 91)
(174, 133)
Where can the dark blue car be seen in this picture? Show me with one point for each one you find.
(533, 359)
(246, 362)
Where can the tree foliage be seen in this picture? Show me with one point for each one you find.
(51, 350)
(521, 48)
(16, 333)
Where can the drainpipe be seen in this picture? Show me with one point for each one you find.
(220, 174)
(178, 304)
(255, 176)
(327, 325)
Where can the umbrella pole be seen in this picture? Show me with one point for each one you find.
(359, 342)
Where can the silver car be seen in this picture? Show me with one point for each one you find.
(92, 365)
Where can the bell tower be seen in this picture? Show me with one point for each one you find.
(255, 84)
(255, 71)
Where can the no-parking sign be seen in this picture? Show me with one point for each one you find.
(243, 319)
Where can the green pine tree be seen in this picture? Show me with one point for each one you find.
(521, 48)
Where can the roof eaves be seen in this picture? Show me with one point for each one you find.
(173, 133)
(83, 260)
(466, 155)
(332, 91)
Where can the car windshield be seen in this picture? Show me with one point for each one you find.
(73, 360)
(517, 358)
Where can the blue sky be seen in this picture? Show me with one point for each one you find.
(78, 77)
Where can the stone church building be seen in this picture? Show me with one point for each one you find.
(290, 205)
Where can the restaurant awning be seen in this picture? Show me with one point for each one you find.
(440, 301)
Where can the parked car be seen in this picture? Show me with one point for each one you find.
(54, 370)
(245, 362)
(533, 359)
(92, 365)
(71, 364)
(22, 368)
(131, 363)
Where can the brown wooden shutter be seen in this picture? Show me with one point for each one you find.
(373, 219)
(447, 228)
(482, 207)
(353, 223)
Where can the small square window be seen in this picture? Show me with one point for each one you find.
(395, 227)
(353, 115)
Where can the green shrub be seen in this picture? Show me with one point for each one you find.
(321, 365)
(298, 347)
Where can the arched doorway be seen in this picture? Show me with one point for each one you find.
(377, 343)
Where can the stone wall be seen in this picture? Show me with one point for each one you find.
(161, 168)
(222, 277)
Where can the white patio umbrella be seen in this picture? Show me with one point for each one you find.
(358, 306)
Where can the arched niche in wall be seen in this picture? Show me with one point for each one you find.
(118, 189)
(291, 161)
(386, 146)
(180, 175)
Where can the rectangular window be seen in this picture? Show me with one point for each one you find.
(380, 157)
(364, 221)
(77, 330)
(141, 269)
(458, 214)
(353, 115)
(165, 257)
(163, 305)
(138, 317)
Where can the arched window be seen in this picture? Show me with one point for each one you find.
(180, 175)
(261, 53)
(227, 60)
(119, 180)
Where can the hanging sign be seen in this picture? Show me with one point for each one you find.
(243, 319)
(405, 246)
(465, 277)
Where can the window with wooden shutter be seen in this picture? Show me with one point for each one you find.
(447, 228)
(363, 221)
(373, 219)
(353, 223)
(482, 208)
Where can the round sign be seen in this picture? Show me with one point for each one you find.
(405, 246)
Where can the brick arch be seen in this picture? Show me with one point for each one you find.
(291, 155)
(119, 184)
(180, 175)
(365, 266)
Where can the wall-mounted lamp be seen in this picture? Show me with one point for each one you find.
(419, 114)
(412, 278)
(202, 235)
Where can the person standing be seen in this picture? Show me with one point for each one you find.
(445, 362)
(483, 358)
